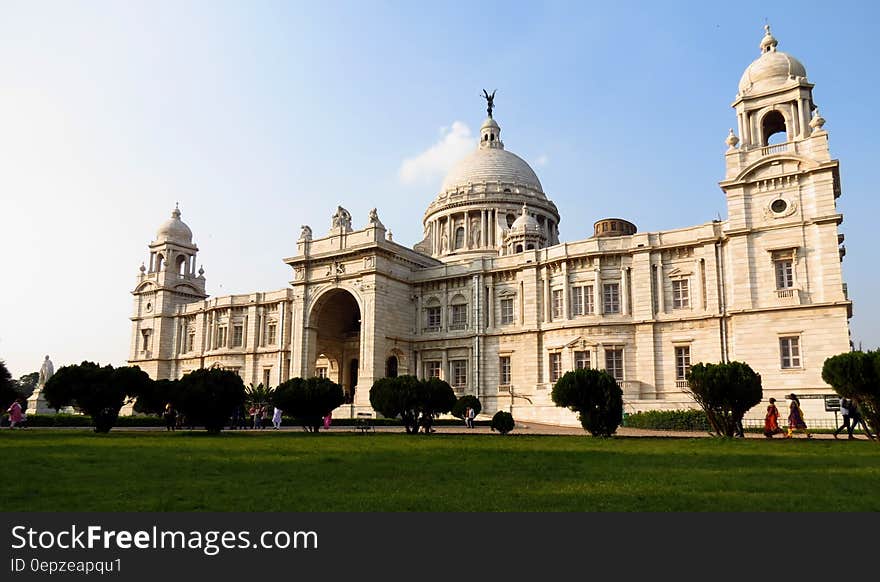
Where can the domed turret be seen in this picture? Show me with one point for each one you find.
(480, 199)
(174, 230)
(525, 234)
(772, 70)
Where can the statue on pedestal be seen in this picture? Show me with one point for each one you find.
(37, 402)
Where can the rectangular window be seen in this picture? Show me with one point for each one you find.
(221, 337)
(611, 292)
(504, 370)
(577, 301)
(321, 372)
(589, 303)
(682, 362)
(432, 322)
(614, 362)
(432, 369)
(270, 334)
(459, 317)
(784, 274)
(190, 340)
(557, 303)
(681, 297)
(267, 375)
(790, 351)
(146, 335)
(458, 373)
(582, 360)
(237, 335)
(506, 311)
(555, 366)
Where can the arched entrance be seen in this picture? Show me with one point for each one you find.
(335, 326)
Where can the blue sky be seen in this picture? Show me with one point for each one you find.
(260, 117)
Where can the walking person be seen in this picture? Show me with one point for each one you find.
(264, 415)
(846, 406)
(467, 417)
(170, 417)
(276, 418)
(796, 418)
(857, 419)
(254, 413)
(327, 420)
(15, 416)
(771, 420)
(471, 415)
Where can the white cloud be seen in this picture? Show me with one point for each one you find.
(455, 142)
(542, 160)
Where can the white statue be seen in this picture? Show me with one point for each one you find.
(342, 219)
(374, 219)
(46, 372)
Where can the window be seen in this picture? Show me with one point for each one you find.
(506, 311)
(555, 366)
(222, 334)
(582, 360)
(589, 308)
(190, 340)
(432, 322)
(557, 303)
(577, 301)
(612, 297)
(458, 373)
(459, 237)
(459, 317)
(681, 298)
(682, 362)
(784, 274)
(790, 351)
(237, 335)
(432, 369)
(614, 362)
(504, 370)
(267, 376)
(146, 335)
(270, 333)
(321, 372)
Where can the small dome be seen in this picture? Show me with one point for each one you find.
(174, 230)
(525, 221)
(491, 165)
(490, 123)
(772, 70)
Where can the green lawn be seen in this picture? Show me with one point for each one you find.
(54, 470)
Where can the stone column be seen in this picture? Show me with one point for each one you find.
(598, 305)
(491, 306)
(444, 367)
(566, 314)
(547, 300)
(418, 371)
(661, 293)
(449, 233)
(483, 226)
(624, 288)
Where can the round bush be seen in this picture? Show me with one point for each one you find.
(503, 422)
(465, 402)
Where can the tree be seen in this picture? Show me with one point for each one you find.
(308, 400)
(28, 383)
(725, 392)
(503, 422)
(856, 375)
(154, 396)
(97, 391)
(595, 396)
(259, 395)
(414, 401)
(465, 402)
(208, 397)
(9, 391)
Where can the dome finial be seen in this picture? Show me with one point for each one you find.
(768, 43)
(176, 212)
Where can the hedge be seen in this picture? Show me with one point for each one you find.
(691, 420)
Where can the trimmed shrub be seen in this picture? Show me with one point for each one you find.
(308, 400)
(595, 396)
(415, 401)
(856, 375)
(208, 397)
(725, 392)
(465, 402)
(690, 420)
(502, 422)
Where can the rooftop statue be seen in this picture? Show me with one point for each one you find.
(490, 100)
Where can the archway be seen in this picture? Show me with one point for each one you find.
(391, 367)
(774, 129)
(335, 325)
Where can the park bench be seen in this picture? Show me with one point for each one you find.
(363, 422)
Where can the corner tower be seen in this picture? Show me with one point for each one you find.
(170, 279)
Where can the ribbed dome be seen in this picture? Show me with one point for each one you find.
(174, 230)
(492, 165)
(772, 70)
(525, 221)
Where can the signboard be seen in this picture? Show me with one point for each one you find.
(832, 403)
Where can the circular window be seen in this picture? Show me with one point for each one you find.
(779, 205)
(149, 307)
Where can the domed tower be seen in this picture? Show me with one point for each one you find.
(525, 234)
(480, 200)
(169, 280)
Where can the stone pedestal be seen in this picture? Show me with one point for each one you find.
(36, 403)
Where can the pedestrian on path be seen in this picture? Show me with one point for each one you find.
(276, 418)
(846, 406)
(771, 420)
(857, 419)
(796, 418)
(15, 416)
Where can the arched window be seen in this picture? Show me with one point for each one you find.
(181, 264)
(391, 367)
(518, 248)
(510, 219)
(773, 126)
(159, 260)
(530, 247)
(459, 237)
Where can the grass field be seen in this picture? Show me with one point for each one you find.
(55, 470)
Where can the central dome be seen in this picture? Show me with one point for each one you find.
(492, 165)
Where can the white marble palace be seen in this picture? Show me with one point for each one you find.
(494, 303)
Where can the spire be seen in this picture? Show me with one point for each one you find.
(768, 43)
(176, 212)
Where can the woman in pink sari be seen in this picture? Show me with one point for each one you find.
(15, 416)
(796, 418)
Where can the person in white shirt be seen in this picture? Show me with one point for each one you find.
(276, 418)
